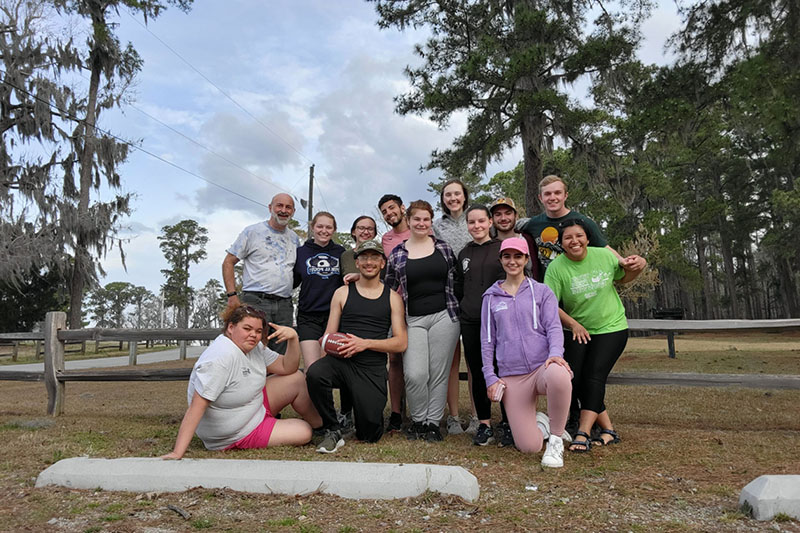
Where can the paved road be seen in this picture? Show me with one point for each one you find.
(107, 362)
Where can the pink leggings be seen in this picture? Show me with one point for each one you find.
(259, 437)
(520, 403)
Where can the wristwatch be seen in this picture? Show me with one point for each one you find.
(229, 294)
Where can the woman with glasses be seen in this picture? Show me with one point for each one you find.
(238, 384)
(363, 229)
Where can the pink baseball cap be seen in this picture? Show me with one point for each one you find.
(515, 243)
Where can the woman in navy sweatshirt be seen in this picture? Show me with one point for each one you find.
(318, 273)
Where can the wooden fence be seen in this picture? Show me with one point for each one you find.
(55, 336)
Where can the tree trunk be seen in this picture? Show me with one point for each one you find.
(788, 288)
(81, 261)
(702, 263)
(727, 261)
(532, 132)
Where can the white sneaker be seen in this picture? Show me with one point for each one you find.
(473, 426)
(543, 421)
(554, 453)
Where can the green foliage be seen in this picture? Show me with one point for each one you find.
(24, 303)
(182, 244)
(504, 63)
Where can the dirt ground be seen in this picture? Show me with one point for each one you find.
(685, 455)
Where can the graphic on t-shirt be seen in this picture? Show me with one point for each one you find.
(587, 285)
(322, 265)
(465, 265)
(502, 306)
(547, 245)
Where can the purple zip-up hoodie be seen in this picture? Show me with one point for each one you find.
(521, 335)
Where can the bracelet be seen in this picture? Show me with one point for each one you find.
(229, 294)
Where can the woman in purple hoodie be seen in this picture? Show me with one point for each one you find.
(520, 327)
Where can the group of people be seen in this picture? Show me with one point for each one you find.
(532, 301)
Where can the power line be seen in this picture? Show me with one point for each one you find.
(209, 150)
(68, 116)
(221, 90)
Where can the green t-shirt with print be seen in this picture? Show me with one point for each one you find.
(585, 289)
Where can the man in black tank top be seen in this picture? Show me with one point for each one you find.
(365, 310)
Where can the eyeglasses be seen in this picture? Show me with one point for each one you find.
(365, 228)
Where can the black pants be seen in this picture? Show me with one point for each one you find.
(591, 364)
(471, 336)
(366, 385)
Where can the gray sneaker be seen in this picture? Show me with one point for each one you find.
(472, 428)
(333, 441)
(454, 426)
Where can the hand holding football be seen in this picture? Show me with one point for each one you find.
(332, 343)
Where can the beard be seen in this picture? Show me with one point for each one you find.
(281, 220)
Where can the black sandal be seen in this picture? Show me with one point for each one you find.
(601, 442)
(586, 443)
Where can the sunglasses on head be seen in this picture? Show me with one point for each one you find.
(249, 310)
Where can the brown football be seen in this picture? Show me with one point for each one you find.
(332, 342)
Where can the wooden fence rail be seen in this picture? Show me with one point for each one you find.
(55, 335)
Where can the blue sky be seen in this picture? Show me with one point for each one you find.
(319, 75)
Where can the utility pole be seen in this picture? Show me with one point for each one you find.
(310, 196)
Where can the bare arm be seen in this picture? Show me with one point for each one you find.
(289, 362)
(188, 426)
(229, 280)
(337, 304)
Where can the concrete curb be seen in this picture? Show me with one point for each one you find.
(767, 496)
(348, 480)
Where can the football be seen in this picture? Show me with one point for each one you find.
(332, 342)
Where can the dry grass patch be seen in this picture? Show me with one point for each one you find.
(686, 454)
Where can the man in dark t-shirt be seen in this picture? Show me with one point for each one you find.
(542, 229)
(364, 310)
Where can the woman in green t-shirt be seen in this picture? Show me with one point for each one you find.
(582, 279)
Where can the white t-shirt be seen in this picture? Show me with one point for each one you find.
(268, 257)
(232, 381)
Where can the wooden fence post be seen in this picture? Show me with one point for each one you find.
(182, 350)
(132, 353)
(36, 347)
(15, 353)
(54, 361)
(671, 344)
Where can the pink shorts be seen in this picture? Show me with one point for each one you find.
(259, 437)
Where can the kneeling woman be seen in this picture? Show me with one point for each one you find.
(582, 279)
(231, 399)
(521, 328)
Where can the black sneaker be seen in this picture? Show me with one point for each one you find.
(433, 433)
(483, 436)
(395, 422)
(415, 431)
(506, 438)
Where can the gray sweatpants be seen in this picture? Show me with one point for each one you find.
(426, 364)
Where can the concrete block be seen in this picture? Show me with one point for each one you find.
(348, 480)
(767, 496)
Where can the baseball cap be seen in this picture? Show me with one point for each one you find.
(371, 245)
(503, 201)
(515, 243)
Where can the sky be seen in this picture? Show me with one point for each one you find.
(310, 82)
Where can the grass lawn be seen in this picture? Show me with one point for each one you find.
(684, 457)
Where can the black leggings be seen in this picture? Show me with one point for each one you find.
(591, 363)
(471, 337)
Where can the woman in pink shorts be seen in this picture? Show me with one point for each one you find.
(521, 329)
(231, 399)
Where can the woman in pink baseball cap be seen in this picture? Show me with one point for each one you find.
(520, 327)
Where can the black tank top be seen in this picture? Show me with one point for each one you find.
(368, 319)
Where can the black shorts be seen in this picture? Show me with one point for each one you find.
(311, 326)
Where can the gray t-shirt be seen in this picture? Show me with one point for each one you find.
(232, 381)
(268, 257)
